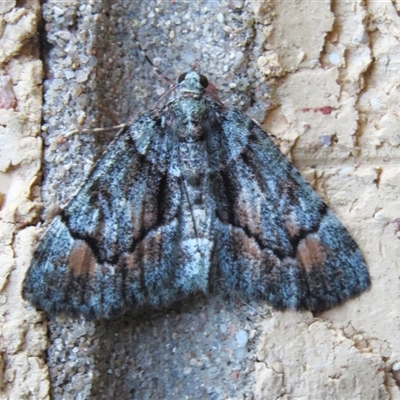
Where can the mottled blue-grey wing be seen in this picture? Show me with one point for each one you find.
(274, 237)
(117, 244)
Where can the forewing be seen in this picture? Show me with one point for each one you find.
(118, 242)
(275, 238)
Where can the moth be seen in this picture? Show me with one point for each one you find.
(193, 197)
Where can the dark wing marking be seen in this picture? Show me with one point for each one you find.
(274, 237)
(119, 243)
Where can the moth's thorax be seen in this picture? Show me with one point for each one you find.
(189, 109)
(193, 157)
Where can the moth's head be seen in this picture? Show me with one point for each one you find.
(192, 82)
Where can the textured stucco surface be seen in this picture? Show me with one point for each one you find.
(23, 341)
(322, 77)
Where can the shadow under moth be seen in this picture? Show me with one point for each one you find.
(193, 197)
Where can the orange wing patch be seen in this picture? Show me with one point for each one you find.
(310, 252)
(81, 260)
